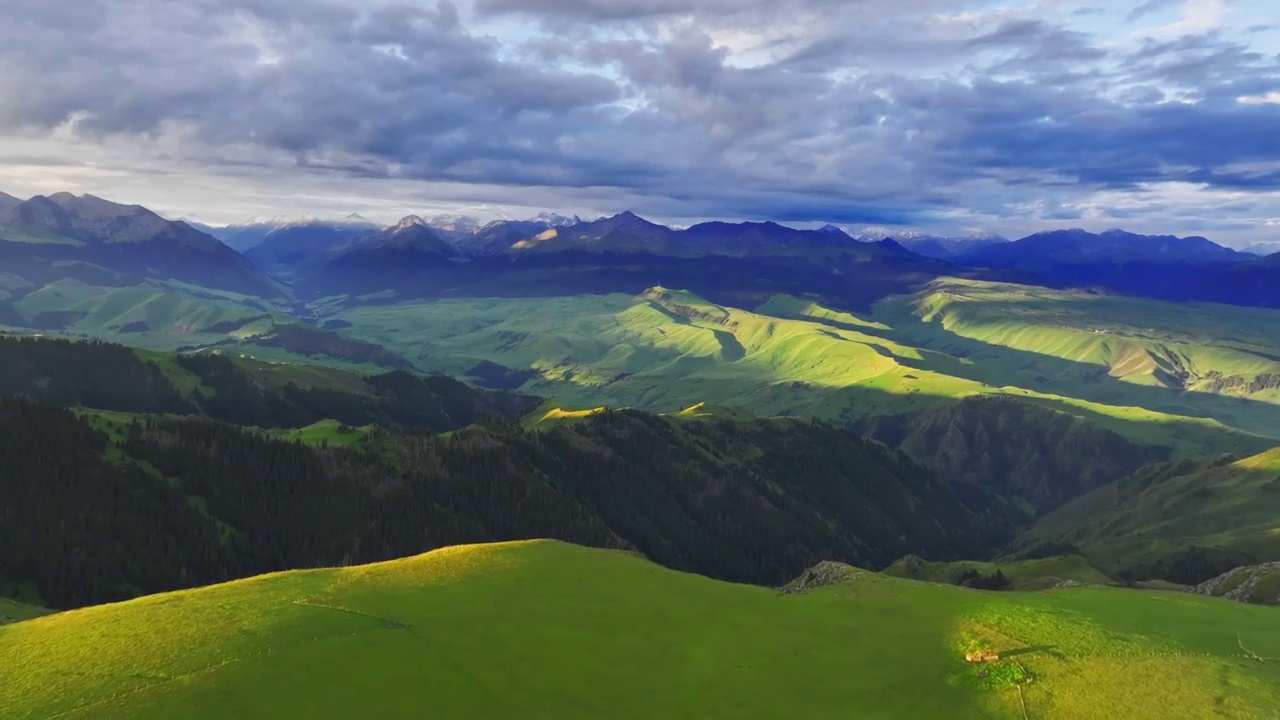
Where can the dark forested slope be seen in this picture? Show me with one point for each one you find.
(93, 515)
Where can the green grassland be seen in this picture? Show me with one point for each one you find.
(147, 315)
(606, 634)
(1194, 378)
(1144, 521)
(329, 433)
(1023, 574)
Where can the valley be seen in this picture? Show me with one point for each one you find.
(613, 359)
(903, 460)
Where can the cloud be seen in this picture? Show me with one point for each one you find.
(912, 111)
(1149, 7)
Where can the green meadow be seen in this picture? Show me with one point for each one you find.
(607, 634)
(328, 433)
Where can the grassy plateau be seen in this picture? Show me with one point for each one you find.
(607, 634)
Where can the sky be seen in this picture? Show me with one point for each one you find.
(948, 116)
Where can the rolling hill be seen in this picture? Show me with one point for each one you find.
(606, 634)
(1193, 380)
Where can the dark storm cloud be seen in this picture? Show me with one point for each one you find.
(850, 112)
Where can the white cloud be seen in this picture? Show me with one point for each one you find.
(1271, 98)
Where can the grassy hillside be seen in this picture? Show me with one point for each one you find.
(1091, 391)
(1187, 386)
(1184, 522)
(606, 634)
(175, 316)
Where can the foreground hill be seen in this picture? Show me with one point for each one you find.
(1185, 522)
(546, 630)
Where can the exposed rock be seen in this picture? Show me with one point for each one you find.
(1239, 584)
(823, 574)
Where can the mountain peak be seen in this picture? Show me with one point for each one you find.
(409, 222)
(556, 219)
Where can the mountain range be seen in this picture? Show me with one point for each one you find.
(92, 239)
(1079, 247)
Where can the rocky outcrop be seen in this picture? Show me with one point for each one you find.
(822, 575)
(1259, 584)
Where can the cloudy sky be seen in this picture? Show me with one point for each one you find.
(946, 115)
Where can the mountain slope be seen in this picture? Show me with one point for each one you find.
(379, 260)
(237, 390)
(1185, 522)
(542, 630)
(501, 236)
(38, 235)
(756, 501)
(296, 243)
(932, 246)
(1016, 448)
(1163, 267)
